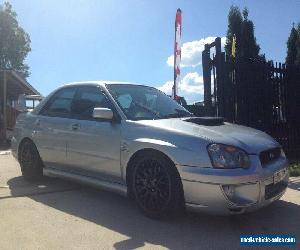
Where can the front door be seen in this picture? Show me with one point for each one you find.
(93, 147)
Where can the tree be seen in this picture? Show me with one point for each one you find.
(292, 47)
(249, 46)
(14, 41)
(297, 60)
(235, 20)
(243, 29)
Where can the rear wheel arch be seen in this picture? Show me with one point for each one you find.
(30, 161)
(24, 140)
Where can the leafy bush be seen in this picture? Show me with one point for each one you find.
(294, 169)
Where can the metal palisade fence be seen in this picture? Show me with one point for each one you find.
(259, 94)
(266, 96)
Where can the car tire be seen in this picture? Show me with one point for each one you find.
(156, 186)
(30, 161)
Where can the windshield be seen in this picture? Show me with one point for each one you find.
(145, 103)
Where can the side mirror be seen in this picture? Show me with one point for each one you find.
(103, 113)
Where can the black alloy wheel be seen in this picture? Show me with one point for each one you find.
(152, 185)
(156, 186)
(30, 161)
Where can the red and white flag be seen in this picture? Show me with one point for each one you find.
(177, 53)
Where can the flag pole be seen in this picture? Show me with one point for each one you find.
(177, 53)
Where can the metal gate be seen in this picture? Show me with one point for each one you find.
(254, 93)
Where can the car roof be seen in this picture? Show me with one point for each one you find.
(103, 83)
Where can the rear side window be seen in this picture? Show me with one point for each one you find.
(61, 103)
(86, 100)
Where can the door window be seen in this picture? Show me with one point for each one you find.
(61, 103)
(124, 100)
(87, 99)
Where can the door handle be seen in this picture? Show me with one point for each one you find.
(75, 126)
(37, 127)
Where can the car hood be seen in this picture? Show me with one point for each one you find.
(253, 141)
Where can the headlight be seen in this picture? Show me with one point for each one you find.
(223, 156)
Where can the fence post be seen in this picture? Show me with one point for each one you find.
(206, 62)
(220, 78)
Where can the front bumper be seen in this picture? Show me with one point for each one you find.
(231, 191)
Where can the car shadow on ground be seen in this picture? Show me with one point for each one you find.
(20, 187)
(4, 146)
(295, 184)
(190, 231)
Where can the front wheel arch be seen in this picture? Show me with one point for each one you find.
(137, 154)
(147, 151)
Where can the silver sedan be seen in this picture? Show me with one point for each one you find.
(137, 141)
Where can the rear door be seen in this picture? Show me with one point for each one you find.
(93, 146)
(52, 128)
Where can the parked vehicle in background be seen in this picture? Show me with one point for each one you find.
(135, 140)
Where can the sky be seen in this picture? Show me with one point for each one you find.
(133, 40)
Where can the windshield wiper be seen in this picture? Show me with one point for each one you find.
(178, 114)
(173, 115)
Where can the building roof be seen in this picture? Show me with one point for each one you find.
(17, 85)
(25, 83)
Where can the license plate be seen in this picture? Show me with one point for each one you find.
(279, 175)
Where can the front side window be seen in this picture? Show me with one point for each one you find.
(124, 100)
(86, 100)
(61, 103)
(145, 103)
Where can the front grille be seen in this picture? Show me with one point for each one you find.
(273, 190)
(269, 156)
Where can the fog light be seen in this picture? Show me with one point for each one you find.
(229, 191)
(242, 194)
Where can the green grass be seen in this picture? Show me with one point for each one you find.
(294, 169)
